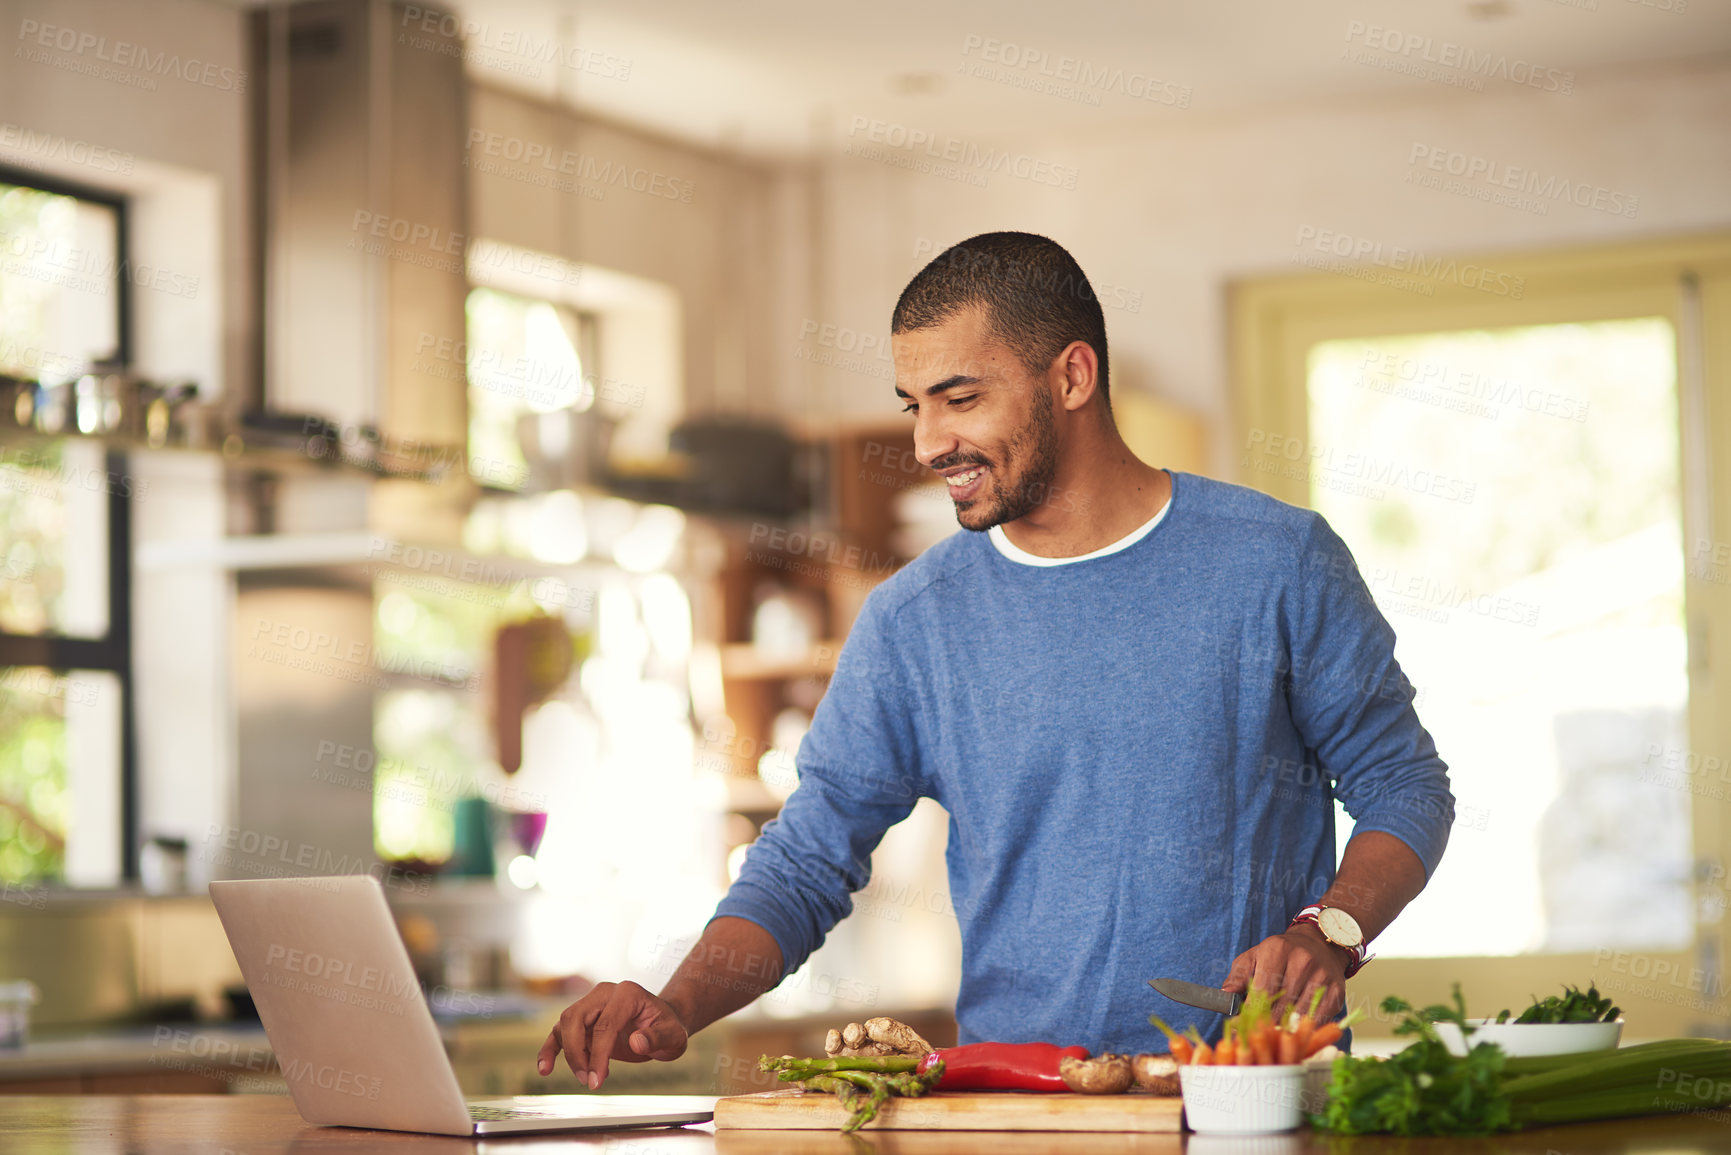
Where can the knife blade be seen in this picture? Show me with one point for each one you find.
(1196, 995)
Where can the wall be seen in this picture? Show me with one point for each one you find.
(722, 233)
(151, 100)
(1169, 220)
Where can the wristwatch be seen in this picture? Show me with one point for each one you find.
(1339, 928)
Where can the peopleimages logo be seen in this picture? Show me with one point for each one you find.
(1541, 188)
(917, 148)
(1365, 252)
(31, 470)
(1447, 59)
(27, 149)
(356, 659)
(1350, 471)
(585, 169)
(83, 270)
(333, 969)
(486, 43)
(1461, 389)
(122, 54)
(1068, 77)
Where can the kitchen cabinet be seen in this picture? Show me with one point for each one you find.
(818, 575)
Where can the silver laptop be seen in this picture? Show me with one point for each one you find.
(352, 1031)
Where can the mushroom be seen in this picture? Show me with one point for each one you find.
(1156, 1073)
(1101, 1075)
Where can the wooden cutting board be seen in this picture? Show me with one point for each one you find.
(956, 1111)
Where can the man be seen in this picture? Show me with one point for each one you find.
(1136, 693)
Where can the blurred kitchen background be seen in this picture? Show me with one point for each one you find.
(451, 442)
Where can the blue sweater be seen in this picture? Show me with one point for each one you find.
(1139, 754)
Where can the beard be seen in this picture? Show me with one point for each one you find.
(1032, 456)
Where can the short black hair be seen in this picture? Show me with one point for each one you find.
(1037, 298)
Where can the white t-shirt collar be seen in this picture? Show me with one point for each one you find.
(1023, 557)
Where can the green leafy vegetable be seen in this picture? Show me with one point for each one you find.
(1572, 1007)
(1422, 1090)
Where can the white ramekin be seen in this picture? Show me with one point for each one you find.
(1242, 1100)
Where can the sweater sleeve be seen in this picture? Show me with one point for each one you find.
(1353, 706)
(858, 776)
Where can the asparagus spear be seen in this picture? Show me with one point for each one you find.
(867, 1111)
(840, 1088)
(846, 1078)
(881, 1066)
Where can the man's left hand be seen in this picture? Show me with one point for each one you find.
(1293, 965)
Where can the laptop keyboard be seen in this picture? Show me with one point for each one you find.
(494, 1114)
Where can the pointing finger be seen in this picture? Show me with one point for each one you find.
(577, 1048)
(606, 1037)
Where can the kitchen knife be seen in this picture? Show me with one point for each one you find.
(1195, 995)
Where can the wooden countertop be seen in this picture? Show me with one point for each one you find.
(168, 1047)
(268, 1125)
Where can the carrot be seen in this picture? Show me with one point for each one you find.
(1176, 1044)
(1203, 1055)
(1301, 1035)
(1322, 1037)
(1179, 1046)
(1307, 1022)
(1245, 1054)
(1262, 1044)
(1286, 1047)
(1226, 1054)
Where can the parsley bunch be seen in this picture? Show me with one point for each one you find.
(1422, 1090)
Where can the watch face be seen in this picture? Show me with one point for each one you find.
(1337, 926)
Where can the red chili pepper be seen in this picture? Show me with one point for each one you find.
(1002, 1066)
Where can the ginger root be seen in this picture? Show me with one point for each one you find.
(902, 1037)
(875, 1038)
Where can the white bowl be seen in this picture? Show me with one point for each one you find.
(1242, 1100)
(1527, 1039)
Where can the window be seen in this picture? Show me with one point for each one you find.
(62, 302)
(526, 367)
(1512, 499)
(65, 697)
(430, 732)
(1529, 483)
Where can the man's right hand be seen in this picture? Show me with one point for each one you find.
(733, 962)
(614, 1021)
